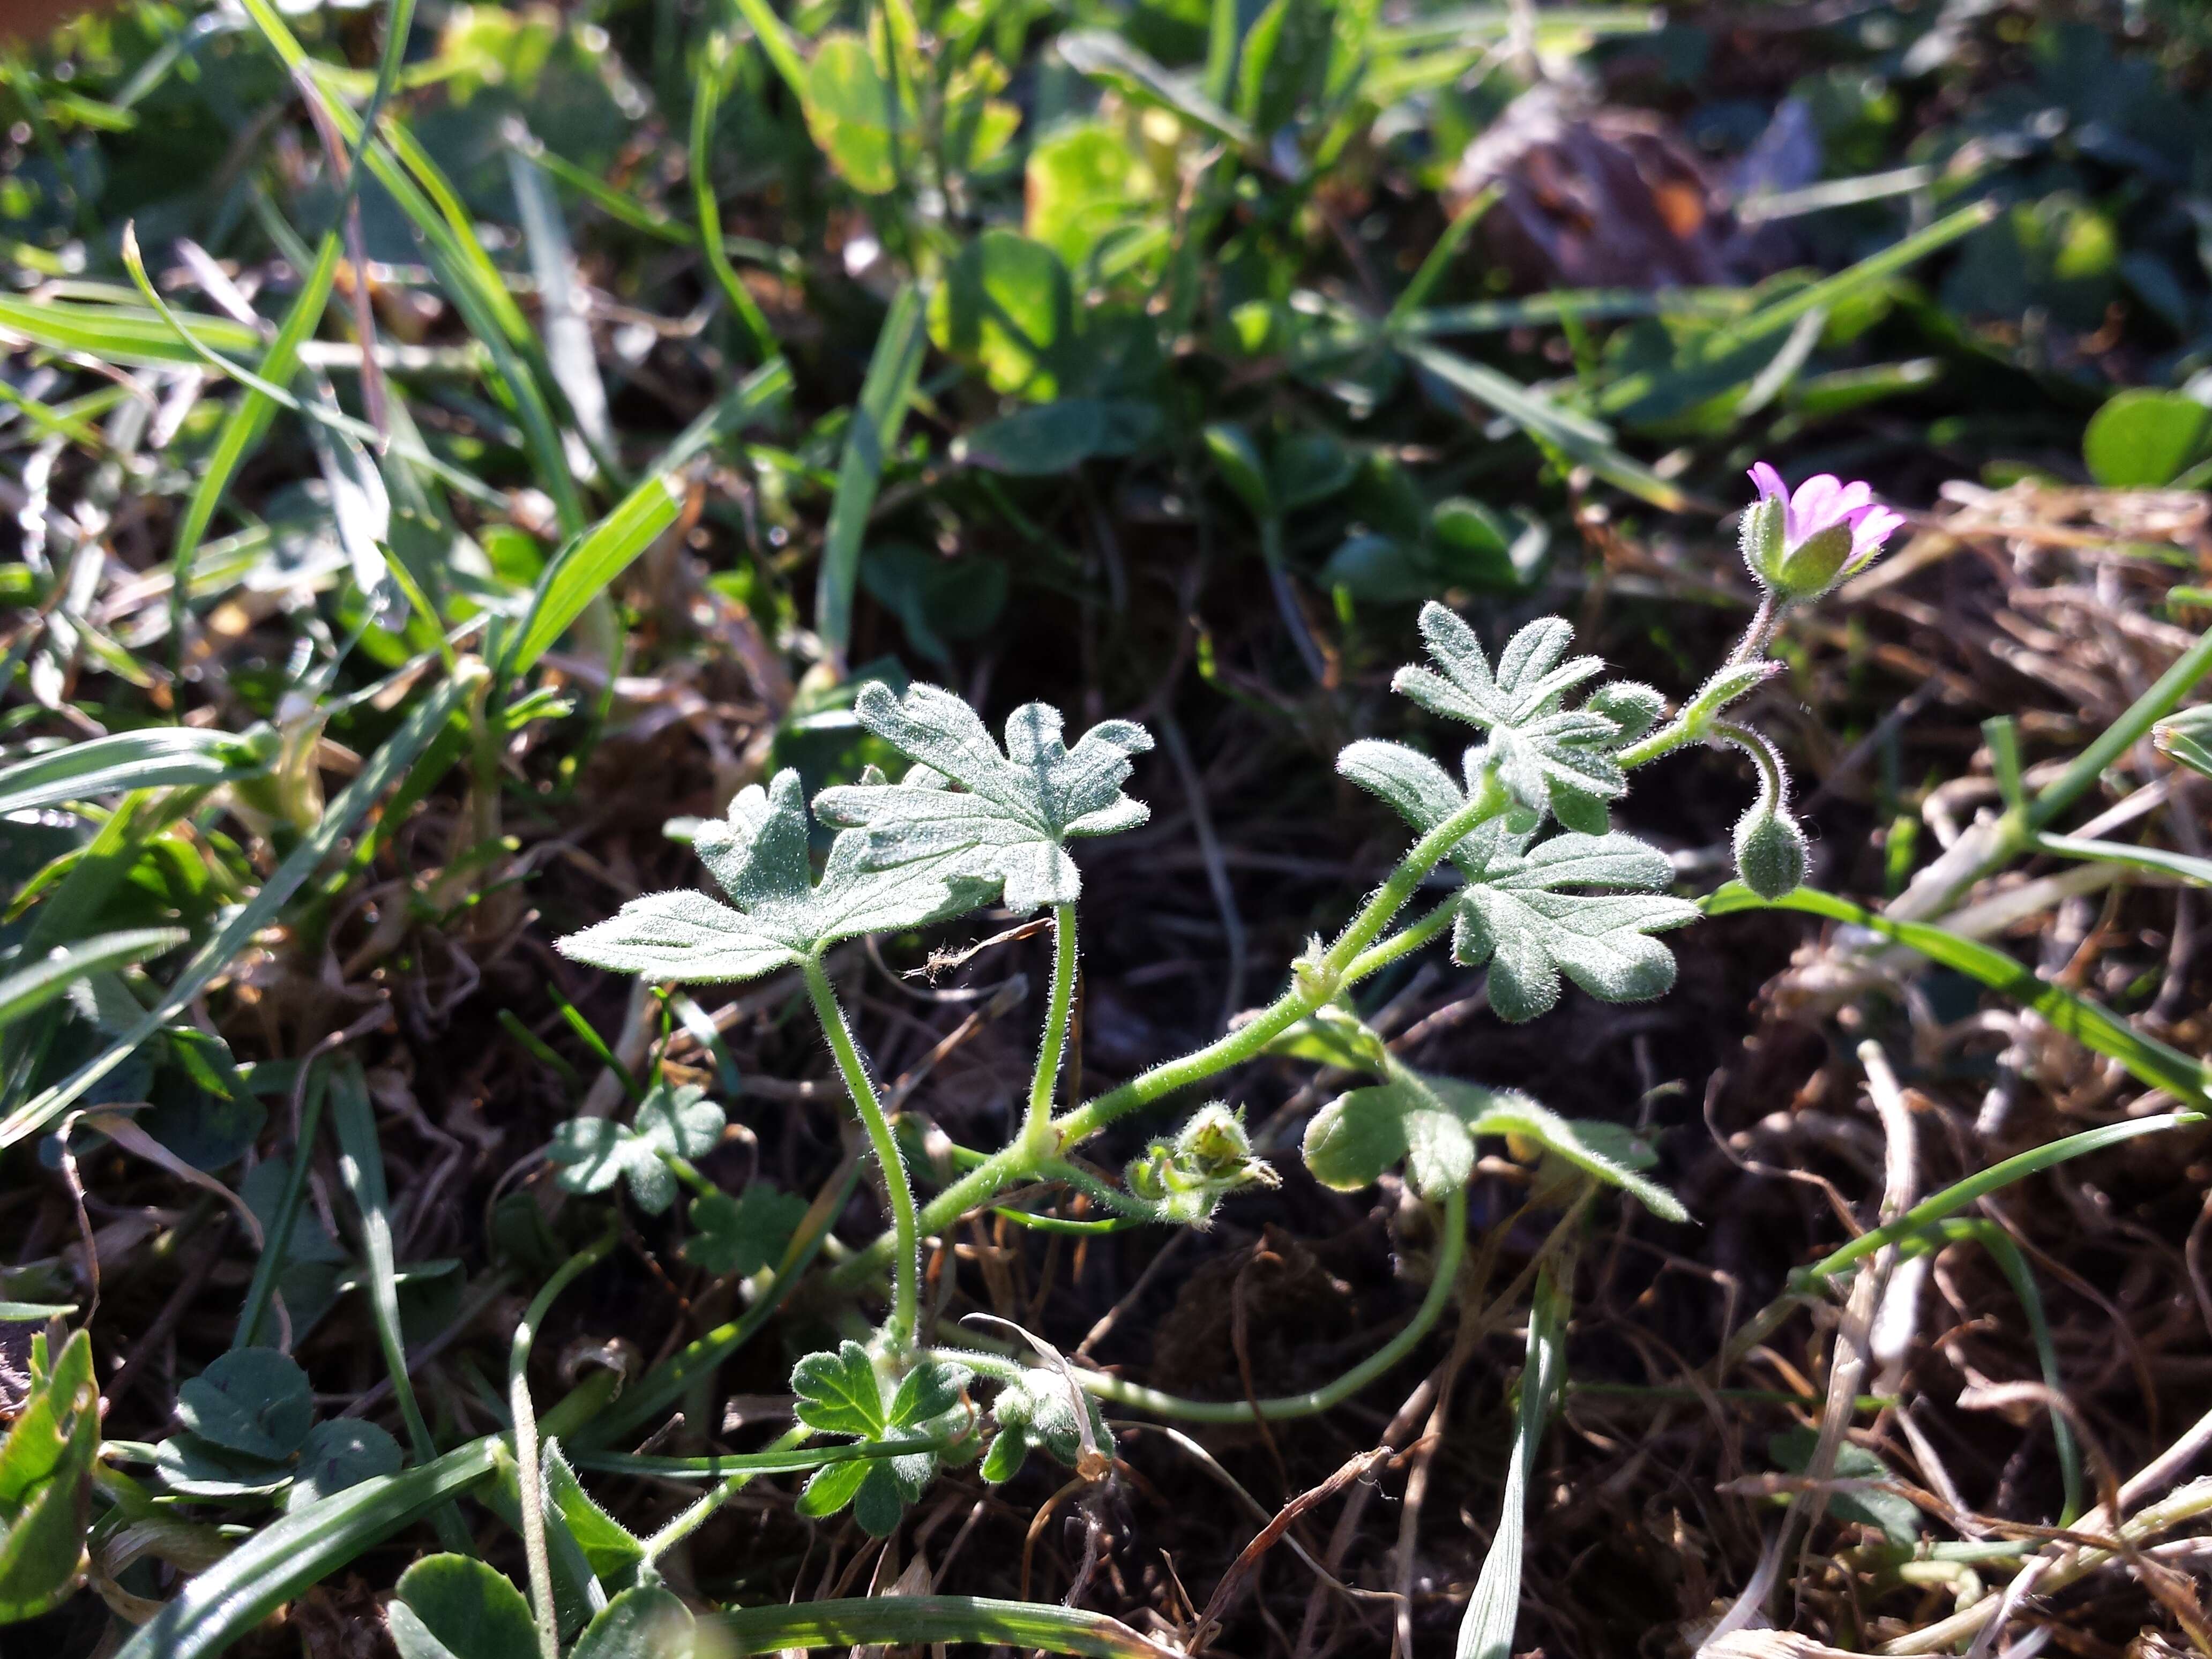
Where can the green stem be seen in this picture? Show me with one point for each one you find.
(1036, 1128)
(1322, 1399)
(1350, 959)
(906, 1232)
(1314, 984)
(1403, 943)
(534, 1551)
(2123, 733)
(691, 1518)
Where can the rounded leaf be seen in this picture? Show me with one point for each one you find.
(639, 1624)
(1355, 1138)
(452, 1606)
(340, 1453)
(2143, 438)
(254, 1401)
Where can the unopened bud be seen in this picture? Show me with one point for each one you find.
(1770, 853)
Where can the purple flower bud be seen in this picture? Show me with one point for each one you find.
(1801, 546)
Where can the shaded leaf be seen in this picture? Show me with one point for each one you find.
(742, 1235)
(254, 1401)
(645, 1623)
(342, 1452)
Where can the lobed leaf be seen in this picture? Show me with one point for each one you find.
(760, 855)
(1013, 811)
(1548, 758)
(1519, 919)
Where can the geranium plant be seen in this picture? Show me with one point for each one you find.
(1549, 893)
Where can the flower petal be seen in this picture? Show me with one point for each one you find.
(1813, 508)
(1870, 530)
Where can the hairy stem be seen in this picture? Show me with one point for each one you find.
(1319, 1399)
(906, 1233)
(1346, 961)
(1052, 1047)
(692, 1517)
(535, 1554)
(1312, 986)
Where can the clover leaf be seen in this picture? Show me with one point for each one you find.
(841, 1393)
(760, 855)
(1013, 812)
(595, 1152)
(341, 1452)
(252, 1401)
(1432, 1122)
(742, 1235)
(1548, 757)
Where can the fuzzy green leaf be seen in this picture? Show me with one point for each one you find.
(46, 1482)
(759, 854)
(1011, 814)
(1539, 749)
(1427, 1121)
(1432, 1124)
(609, 1548)
(839, 1392)
(1520, 916)
(830, 1488)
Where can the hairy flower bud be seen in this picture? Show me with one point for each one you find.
(1769, 851)
(1801, 546)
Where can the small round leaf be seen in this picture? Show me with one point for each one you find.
(254, 1401)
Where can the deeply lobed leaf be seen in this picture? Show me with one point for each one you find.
(1548, 757)
(760, 855)
(1011, 812)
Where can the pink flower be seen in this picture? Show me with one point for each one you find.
(1800, 546)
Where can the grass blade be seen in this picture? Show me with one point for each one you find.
(218, 1607)
(916, 1620)
(159, 757)
(585, 568)
(893, 368)
(796, 1460)
(361, 1167)
(2014, 1265)
(1108, 58)
(391, 763)
(2098, 1028)
(276, 1241)
(29, 989)
(1581, 439)
(2157, 860)
(1486, 1631)
(128, 335)
(247, 422)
